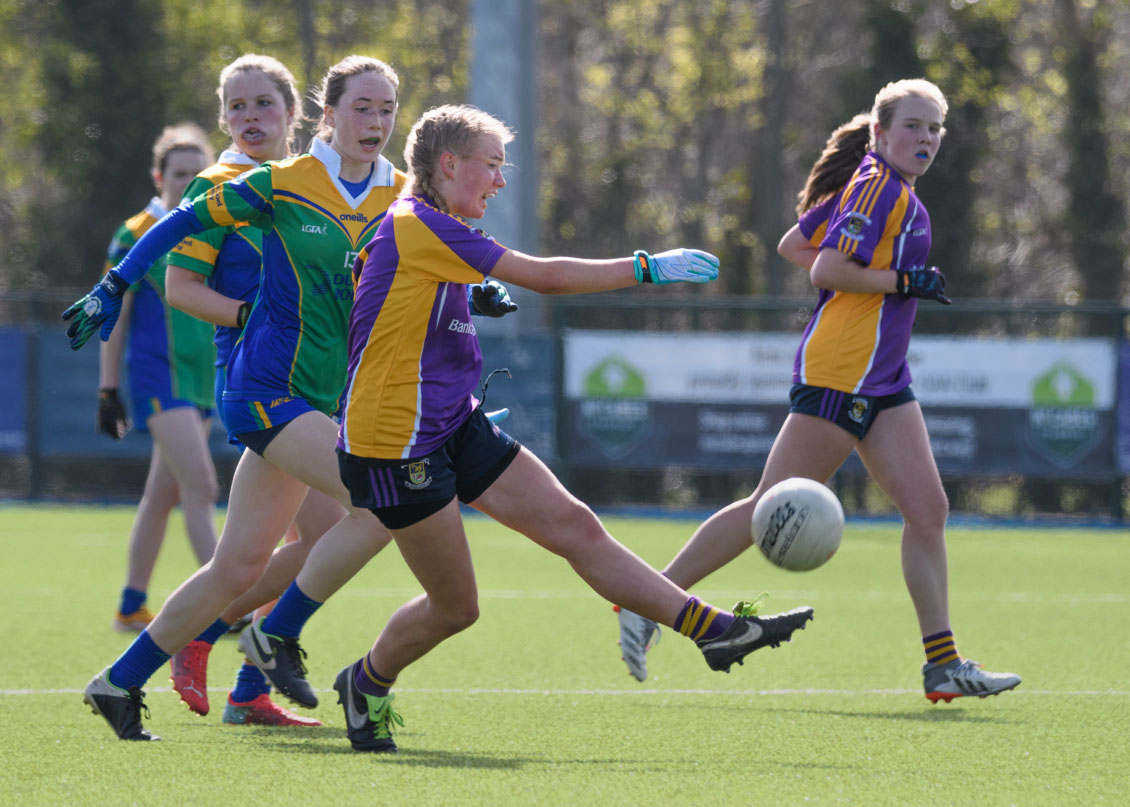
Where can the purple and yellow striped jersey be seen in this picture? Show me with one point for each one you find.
(414, 358)
(230, 258)
(857, 342)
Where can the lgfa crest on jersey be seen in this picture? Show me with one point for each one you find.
(853, 228)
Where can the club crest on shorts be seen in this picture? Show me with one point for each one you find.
(858, 409)
(418, 475)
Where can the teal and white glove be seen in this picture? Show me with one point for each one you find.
(676, 266)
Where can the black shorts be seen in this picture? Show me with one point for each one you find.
(853, 413)
(258, 441)
(403, 492)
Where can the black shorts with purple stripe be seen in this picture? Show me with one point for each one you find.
(851, 412)
(403, 492)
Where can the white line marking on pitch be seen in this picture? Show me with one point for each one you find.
(1118, 693)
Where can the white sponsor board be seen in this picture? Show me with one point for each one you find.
(695, 367)
(757, 368)
(1007, 373)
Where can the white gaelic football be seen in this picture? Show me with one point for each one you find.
(798, 524)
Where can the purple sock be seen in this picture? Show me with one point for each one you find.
(371, 682)
(700, 620)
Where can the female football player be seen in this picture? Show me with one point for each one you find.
(864, 236)
(287, 372)
(214, 275)
(414, 442)
(169, 359)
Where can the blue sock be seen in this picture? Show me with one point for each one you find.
(132, 600)
(250, 683)
(214, 632)
(136, 666)
(290, 614)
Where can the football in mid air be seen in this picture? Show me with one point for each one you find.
(798, 524)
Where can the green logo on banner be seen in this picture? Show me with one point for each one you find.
(615, 413)
(1063, 385)
(1062, 422)
(614, 378)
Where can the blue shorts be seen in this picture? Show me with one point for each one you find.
(255, 423)
(145, 407)
(853, 413)
(403, 492)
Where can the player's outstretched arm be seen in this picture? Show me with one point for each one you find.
(99, 309)
(580, 275)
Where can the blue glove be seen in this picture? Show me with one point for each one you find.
(101, 306)
(490, 299)
(498, 415)
(926, 284)
(676, 266)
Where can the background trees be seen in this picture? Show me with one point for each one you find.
(660, 122)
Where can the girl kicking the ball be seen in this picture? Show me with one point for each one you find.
(864, 236)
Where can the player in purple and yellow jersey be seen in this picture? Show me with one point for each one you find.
(287, 372)
(169, 360)
(865, 236)
(415, 442)
(214, 275)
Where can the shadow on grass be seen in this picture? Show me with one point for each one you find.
(926, 715)
(408, 756)
(940, 713)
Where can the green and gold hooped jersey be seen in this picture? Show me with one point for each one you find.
(294, 344)
(169, 353)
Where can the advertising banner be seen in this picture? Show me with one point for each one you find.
(1044, 407)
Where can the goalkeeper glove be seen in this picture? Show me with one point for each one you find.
(112, 419)
(101, 306)
(490, 299)
(676, 266)
(926, 284)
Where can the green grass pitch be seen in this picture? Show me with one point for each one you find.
(532, 705)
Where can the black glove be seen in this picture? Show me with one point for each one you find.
(490, 299)
(112, 418)
(926, 284)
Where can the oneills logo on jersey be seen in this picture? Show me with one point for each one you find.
(853, 229)
(360, 218)
(417, 475)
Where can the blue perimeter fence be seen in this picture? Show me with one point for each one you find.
(660, 388)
